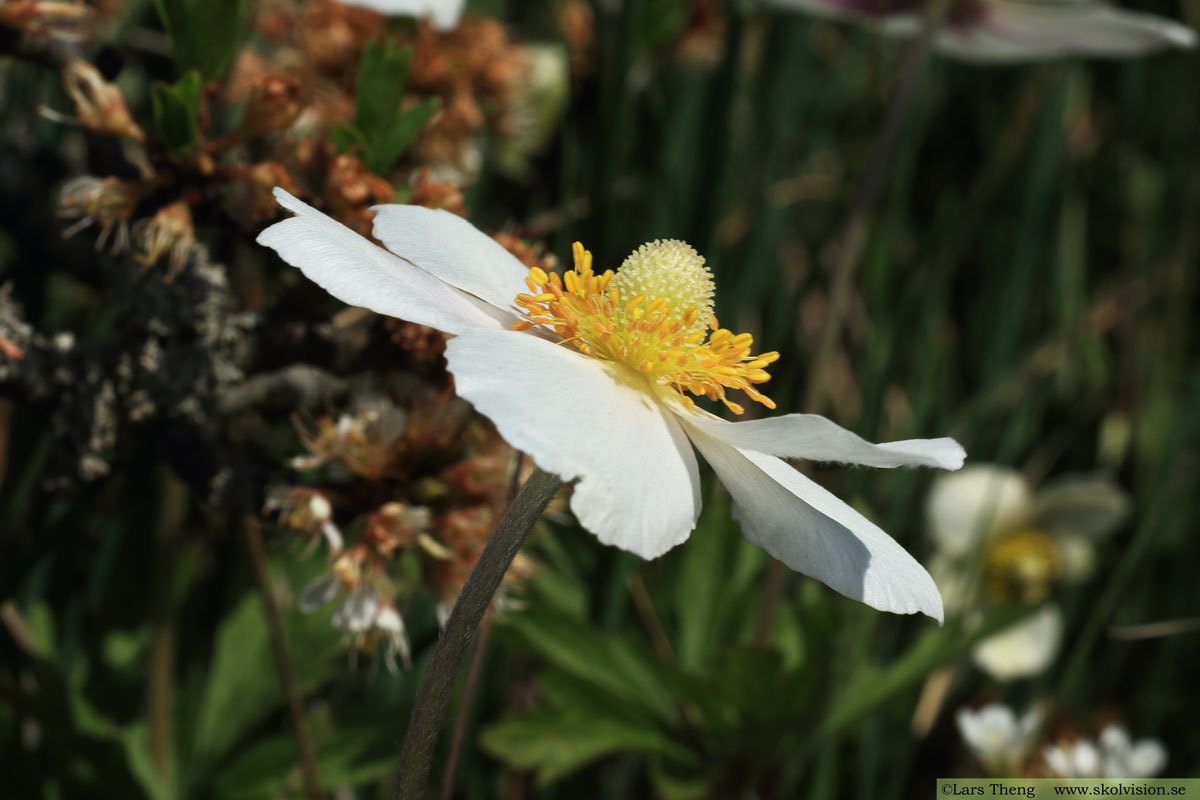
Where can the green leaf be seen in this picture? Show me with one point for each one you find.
(599, 657)
(349, 137)
(382, 78)
(556, 744)
(243, 685)
(176, 108)
(389, 144)
(205, 34)
(382, 131)
(700, 586)
(349, 755)
(873, 686)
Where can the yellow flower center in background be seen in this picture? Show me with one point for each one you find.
(653, 316)
(1021, 566)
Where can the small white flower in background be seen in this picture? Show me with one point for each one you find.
(1115, 756)
(590, 374)
(367, 612)
(1001, 31)
(369, 617)
(306, 511)
(444, 14)
(997, 542)
(998, 737)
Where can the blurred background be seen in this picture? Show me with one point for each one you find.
(232, 508)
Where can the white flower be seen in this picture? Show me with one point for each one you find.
(974, 505)
(999, 541)
(998, 738)
(1115, 757)
(443, 14)
(1016, 30)
(366, 614)
(618, 422)
(368, 617)
(307, 511)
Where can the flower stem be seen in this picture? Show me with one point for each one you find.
(434, 692)
(464, 709)
(850, 244)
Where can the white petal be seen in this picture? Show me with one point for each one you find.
(1081, 506)
(448, 247)
(967, 508)
(1086, 760)
(1115, 741)
(361, 273)
(443, 13)
(813, 532)
(816, 438)
(357, 612)
(1058, 761)
(332, 536)
(1024, 649)
(957, 583)
(389, 619)
(900, 22)
(1147, 759)
(318, 593)
(970, 727)
(581, 418)
(1015, 31)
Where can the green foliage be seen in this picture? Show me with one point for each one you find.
(556, 742)
(176, 111)
(235, 698)
(205, 34)
(382, 127)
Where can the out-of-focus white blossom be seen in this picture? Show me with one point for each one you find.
(1004, 31)
(997, 541)
(998, 737)
(1114, 756)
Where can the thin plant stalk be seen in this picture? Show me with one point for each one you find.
(283, 659)
(433, 695)
(160, 684)
(853, 236)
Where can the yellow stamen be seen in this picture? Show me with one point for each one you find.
(662, 330)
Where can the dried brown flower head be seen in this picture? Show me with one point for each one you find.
(305, 511)
(350, 188)
(332, 35)
(99, 104)
(437, 194)
(41, 17)
(168, 233)
(423, 344)
(396, 526)
(258, 185)
(365, 442)
(529, 253)
(107, 202)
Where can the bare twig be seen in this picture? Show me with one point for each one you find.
(283, 658)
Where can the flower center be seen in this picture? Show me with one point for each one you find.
(1021, 566)
(654, 316)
